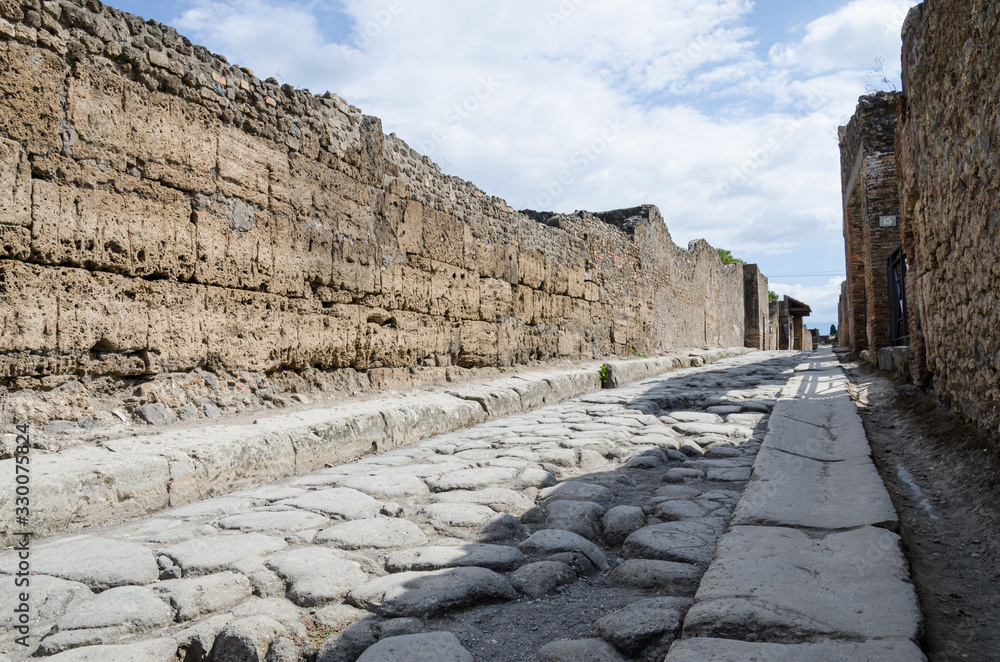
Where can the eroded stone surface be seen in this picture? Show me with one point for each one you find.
(424, 594)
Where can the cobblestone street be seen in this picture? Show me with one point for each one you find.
(576, 531)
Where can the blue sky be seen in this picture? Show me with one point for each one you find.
(721, 112)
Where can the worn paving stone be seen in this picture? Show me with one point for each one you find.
(217, 507)
(247, 639)
(387, 488)
(640, 624)
(580, 517)
(728, 650)
(846, 585)
(198, 596)
(620, 522)
(574, 490)
(337, 503)
(473, 479)
(316, 575)
(499, 499)
(274, 521)
(377, 533)
(429, 647)
(135, 608)
(542, 577)
(548, 542)
(457, 514)
(664, 576)
(688, 541)
(206, 556)
(51, 597)
(672, 511)
(499, 558)
(423, 594)
(155, 650)
(579, 650)
(100, 563)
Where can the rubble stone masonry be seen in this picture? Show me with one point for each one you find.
(162, 210)
(950, 187)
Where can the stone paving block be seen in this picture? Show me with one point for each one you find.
(500, 499)
(579, 650)
(688, 541)
(728, 650)
(338, 503)
(51, 597)
(135, 608)
(499, 558)
(155, 650)
(274, 521)
(782, 585)
(247, 639)
(387, 488)
(206, 556)
(474, 479)
(542, 577)
(580, 517)
(548, 542)
(429, 647)
(377, 533)
(316, 575)
(424, 594)
(574, 490)
(642, 623)
(197, 596)
(620, 522)
(790, 490)
(457, 514)
(663, 576)
(99, 563)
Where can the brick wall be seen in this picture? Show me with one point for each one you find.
(869, 186)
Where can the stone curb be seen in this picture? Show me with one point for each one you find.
(137, 476)
(810, 567)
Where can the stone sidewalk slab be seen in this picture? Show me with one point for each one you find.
(137, 476)
(727, 650)
(783, 585)
(789, 490)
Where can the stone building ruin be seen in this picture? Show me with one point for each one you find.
(165, 212)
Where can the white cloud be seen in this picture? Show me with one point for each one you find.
(822, 299)
(733, 147)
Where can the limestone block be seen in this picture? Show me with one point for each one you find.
(245, 163)
(32, 86)
(443, 237)
(15, 190)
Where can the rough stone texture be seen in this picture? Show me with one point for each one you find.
(156, 650)
(97, 562)
(315, 576)
(430, 647)
(423, 594)
(205, 556)
(267, 228)
(949, 179)
(493, 557)
(379, 533)
(727, 650)
(537, 579)
(579, 650)
(635, 627)
(203, 595)
(664, 576)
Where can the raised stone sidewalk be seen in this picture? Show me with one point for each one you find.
(609, 526)
(811, 568)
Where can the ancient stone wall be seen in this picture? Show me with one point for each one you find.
(162, 210)
(950, 188)
(758, 330)
(868, 178)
